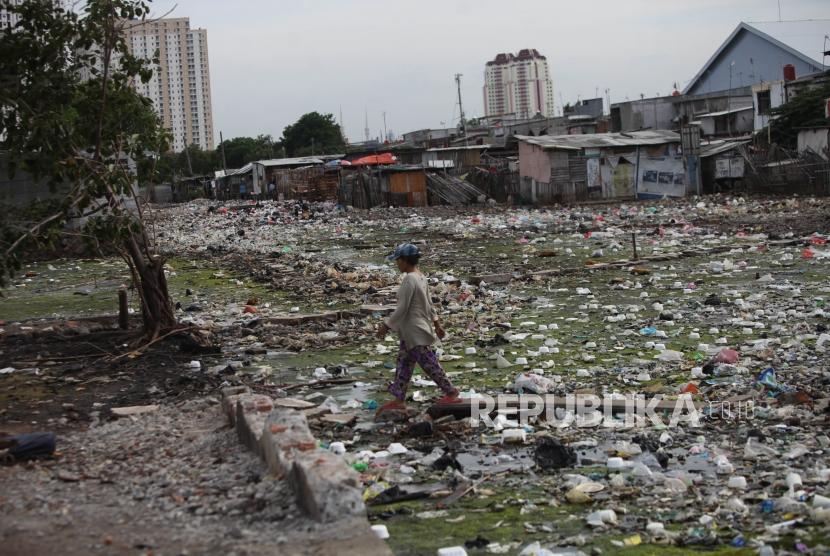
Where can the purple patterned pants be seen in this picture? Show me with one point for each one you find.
(426, 358)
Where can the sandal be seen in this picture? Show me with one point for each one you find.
(449, 398)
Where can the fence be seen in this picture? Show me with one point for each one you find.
(309, 184)
(778, 172)
(497, 183)
(362, 190)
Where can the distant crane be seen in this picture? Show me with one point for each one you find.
(461, 108)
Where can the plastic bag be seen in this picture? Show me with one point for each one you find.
(531, 382)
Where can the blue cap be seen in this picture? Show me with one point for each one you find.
(404, 250)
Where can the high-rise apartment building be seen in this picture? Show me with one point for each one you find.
(518, 85)
(9, 19)
(180, 86)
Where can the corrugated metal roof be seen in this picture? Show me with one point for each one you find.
(719, 147)
(303, 160)
(598, 140)
(724, 112)
(459, 148)
(239, 171)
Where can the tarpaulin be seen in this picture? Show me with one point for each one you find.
(383, 158)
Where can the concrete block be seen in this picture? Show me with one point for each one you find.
(325, 487)
(251, 413)
(230, 395)
(284, 435)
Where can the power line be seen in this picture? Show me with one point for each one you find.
(790, 20)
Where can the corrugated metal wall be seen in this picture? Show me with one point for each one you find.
(413, 184)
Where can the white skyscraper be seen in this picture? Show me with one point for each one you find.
(180, 86)
(9, 19)
(518, 85)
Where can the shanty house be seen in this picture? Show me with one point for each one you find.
(723, 164)
(567, 168)
(364, 186)
(458, 157)
(727, 123)
(307, 178)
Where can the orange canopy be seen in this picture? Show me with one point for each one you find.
(383, 158)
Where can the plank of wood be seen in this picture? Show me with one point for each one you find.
(340, 418)
(293, 403)
(377, 309)
(133, 410)
(492, 278)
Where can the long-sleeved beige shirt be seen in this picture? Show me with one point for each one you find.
(412, 319)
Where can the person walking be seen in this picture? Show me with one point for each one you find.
(418, 328)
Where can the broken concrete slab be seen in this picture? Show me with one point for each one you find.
(230, 396)
(251, 412)
(285, 434)
(325, 487)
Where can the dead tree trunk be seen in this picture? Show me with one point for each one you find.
(151, 285)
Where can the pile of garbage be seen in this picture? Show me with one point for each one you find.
(734, 320)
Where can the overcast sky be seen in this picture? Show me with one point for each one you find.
(271, 61)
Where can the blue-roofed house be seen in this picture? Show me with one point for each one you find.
(751, 56)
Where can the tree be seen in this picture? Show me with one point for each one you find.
(805, 110)
(239, 151)
(191, 162)
(313, 133)
(71, 117)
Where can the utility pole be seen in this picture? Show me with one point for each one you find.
(385, 135)
(224, 166)
(461, 108)
(187, 154)
(342, 127)
(224, 162)
(366, 129)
